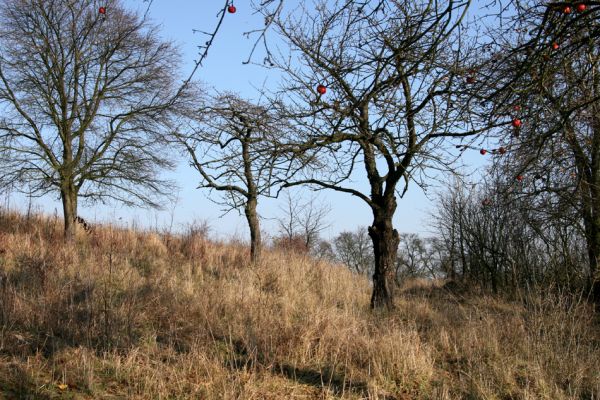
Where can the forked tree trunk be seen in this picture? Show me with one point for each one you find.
(385, 247)
(254, 225)
(68, 196)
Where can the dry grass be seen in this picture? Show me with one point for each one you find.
(134, 315)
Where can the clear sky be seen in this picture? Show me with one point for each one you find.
(224, 70)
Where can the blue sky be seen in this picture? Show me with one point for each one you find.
(224, 70)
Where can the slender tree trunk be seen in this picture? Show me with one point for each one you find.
(453, 252)
(590, 198)
(593, 240)
(466, 271)
(592, 227)
(587, 170)
(254, 225)
(385, 247)
(68, 196)
(594, 259)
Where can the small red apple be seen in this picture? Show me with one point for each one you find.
(581, 7)
(567, 10)
(231, 9)
(483, 152)
(555, 46)
(321, 89)
(501, 150)
(517, 107)
(519, 178)
(516, 123)
(102, 10)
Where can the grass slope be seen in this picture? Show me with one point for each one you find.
(138, 315)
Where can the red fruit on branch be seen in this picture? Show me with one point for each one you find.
(231, 9)
(517, 107)
(516, 123)
(483, 152)
(102, 10)
(555, 46)
(567, 10)
(501, 150)
(321, 89)
(581, 7)
(519, 178)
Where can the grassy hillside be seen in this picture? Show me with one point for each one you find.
(134, 315)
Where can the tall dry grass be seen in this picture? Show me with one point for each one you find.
(142, 315)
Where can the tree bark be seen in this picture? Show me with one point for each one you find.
(592, 227)
(68, 196)
(385, 247)
(254, 225)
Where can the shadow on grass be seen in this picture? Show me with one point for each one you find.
(337, 382)
(16, 384)
(451, 290)
(326, 378)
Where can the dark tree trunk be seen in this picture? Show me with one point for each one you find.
(595, 278)
(68, 196)
(593, 240)
(590, 198)
(592, 228)
(254, 225)
(385, 247)
(587, 170)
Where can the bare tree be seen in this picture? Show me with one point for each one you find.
(85, 97)
(450, 227)
(494, 239)
(546, 76)
(355, 250)
(232, 143)
(302, 220)
(416, 257)
(393, 90)
(323, 250)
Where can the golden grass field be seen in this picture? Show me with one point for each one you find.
(139, 315)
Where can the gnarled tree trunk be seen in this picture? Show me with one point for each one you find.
(385, 247)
